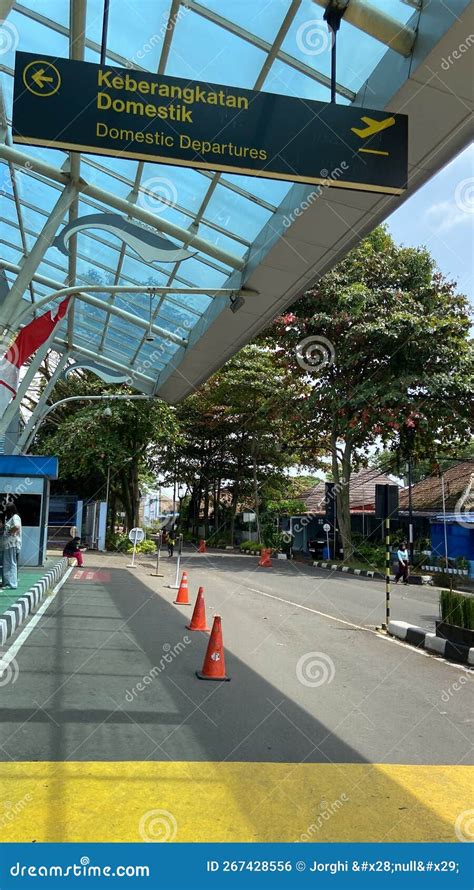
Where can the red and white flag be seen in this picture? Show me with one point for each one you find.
(30, 338)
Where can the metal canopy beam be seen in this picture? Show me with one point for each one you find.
(108, 362)
(86, 297)
(28, 431)
(134, 210)
(77, 29)
(379, 25)
(5, 136)
(5, 8)
(31, 263)
(266, 47)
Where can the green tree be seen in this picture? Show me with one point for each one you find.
(130, 440)
(383, 340)
(239, 431)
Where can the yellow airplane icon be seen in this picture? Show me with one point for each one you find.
(373, 126)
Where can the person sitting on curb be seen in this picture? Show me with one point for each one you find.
(402, 556)
(72, 550)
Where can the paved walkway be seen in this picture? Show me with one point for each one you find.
(327, 731)
(27, 576)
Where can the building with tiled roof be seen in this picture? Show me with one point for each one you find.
(427, 496)
(361, 495)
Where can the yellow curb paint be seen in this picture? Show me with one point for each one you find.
(114, 801)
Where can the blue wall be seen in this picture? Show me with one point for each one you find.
(460, 540)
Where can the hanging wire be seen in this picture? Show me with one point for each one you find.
(105, 25)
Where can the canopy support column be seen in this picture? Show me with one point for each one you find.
(29, 431)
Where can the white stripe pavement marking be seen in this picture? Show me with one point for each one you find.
(315, 612)
(10, 654)
(369, 630)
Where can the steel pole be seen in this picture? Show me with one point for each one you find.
(157, 573)
(387, 572)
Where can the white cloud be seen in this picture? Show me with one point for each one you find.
(445, 215)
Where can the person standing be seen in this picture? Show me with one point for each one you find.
(402, 556)
(11, 547)
(171, 542)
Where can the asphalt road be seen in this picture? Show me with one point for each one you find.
(104, 714)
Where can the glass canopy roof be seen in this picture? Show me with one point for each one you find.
(279, 46)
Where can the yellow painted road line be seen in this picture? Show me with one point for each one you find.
(116, 801)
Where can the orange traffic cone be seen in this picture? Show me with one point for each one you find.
(214, 662)
(182, 598)
(198, 621)
(265, 560)
(202, 547)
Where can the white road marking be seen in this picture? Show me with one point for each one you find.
(378, 634)
(10, 654)
(315, 611)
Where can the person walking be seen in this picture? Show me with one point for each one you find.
(11, 547)
(72, 550)
(402, 556)
(171, 542)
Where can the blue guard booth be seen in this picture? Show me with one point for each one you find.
(25, 481)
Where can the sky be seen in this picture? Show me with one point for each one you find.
(440, 216)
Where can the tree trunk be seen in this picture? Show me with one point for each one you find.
(206, 512)
(126, 500)
(113, 512)
(236, 491)
(255, 492)
(135, 494)
(233, 508)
